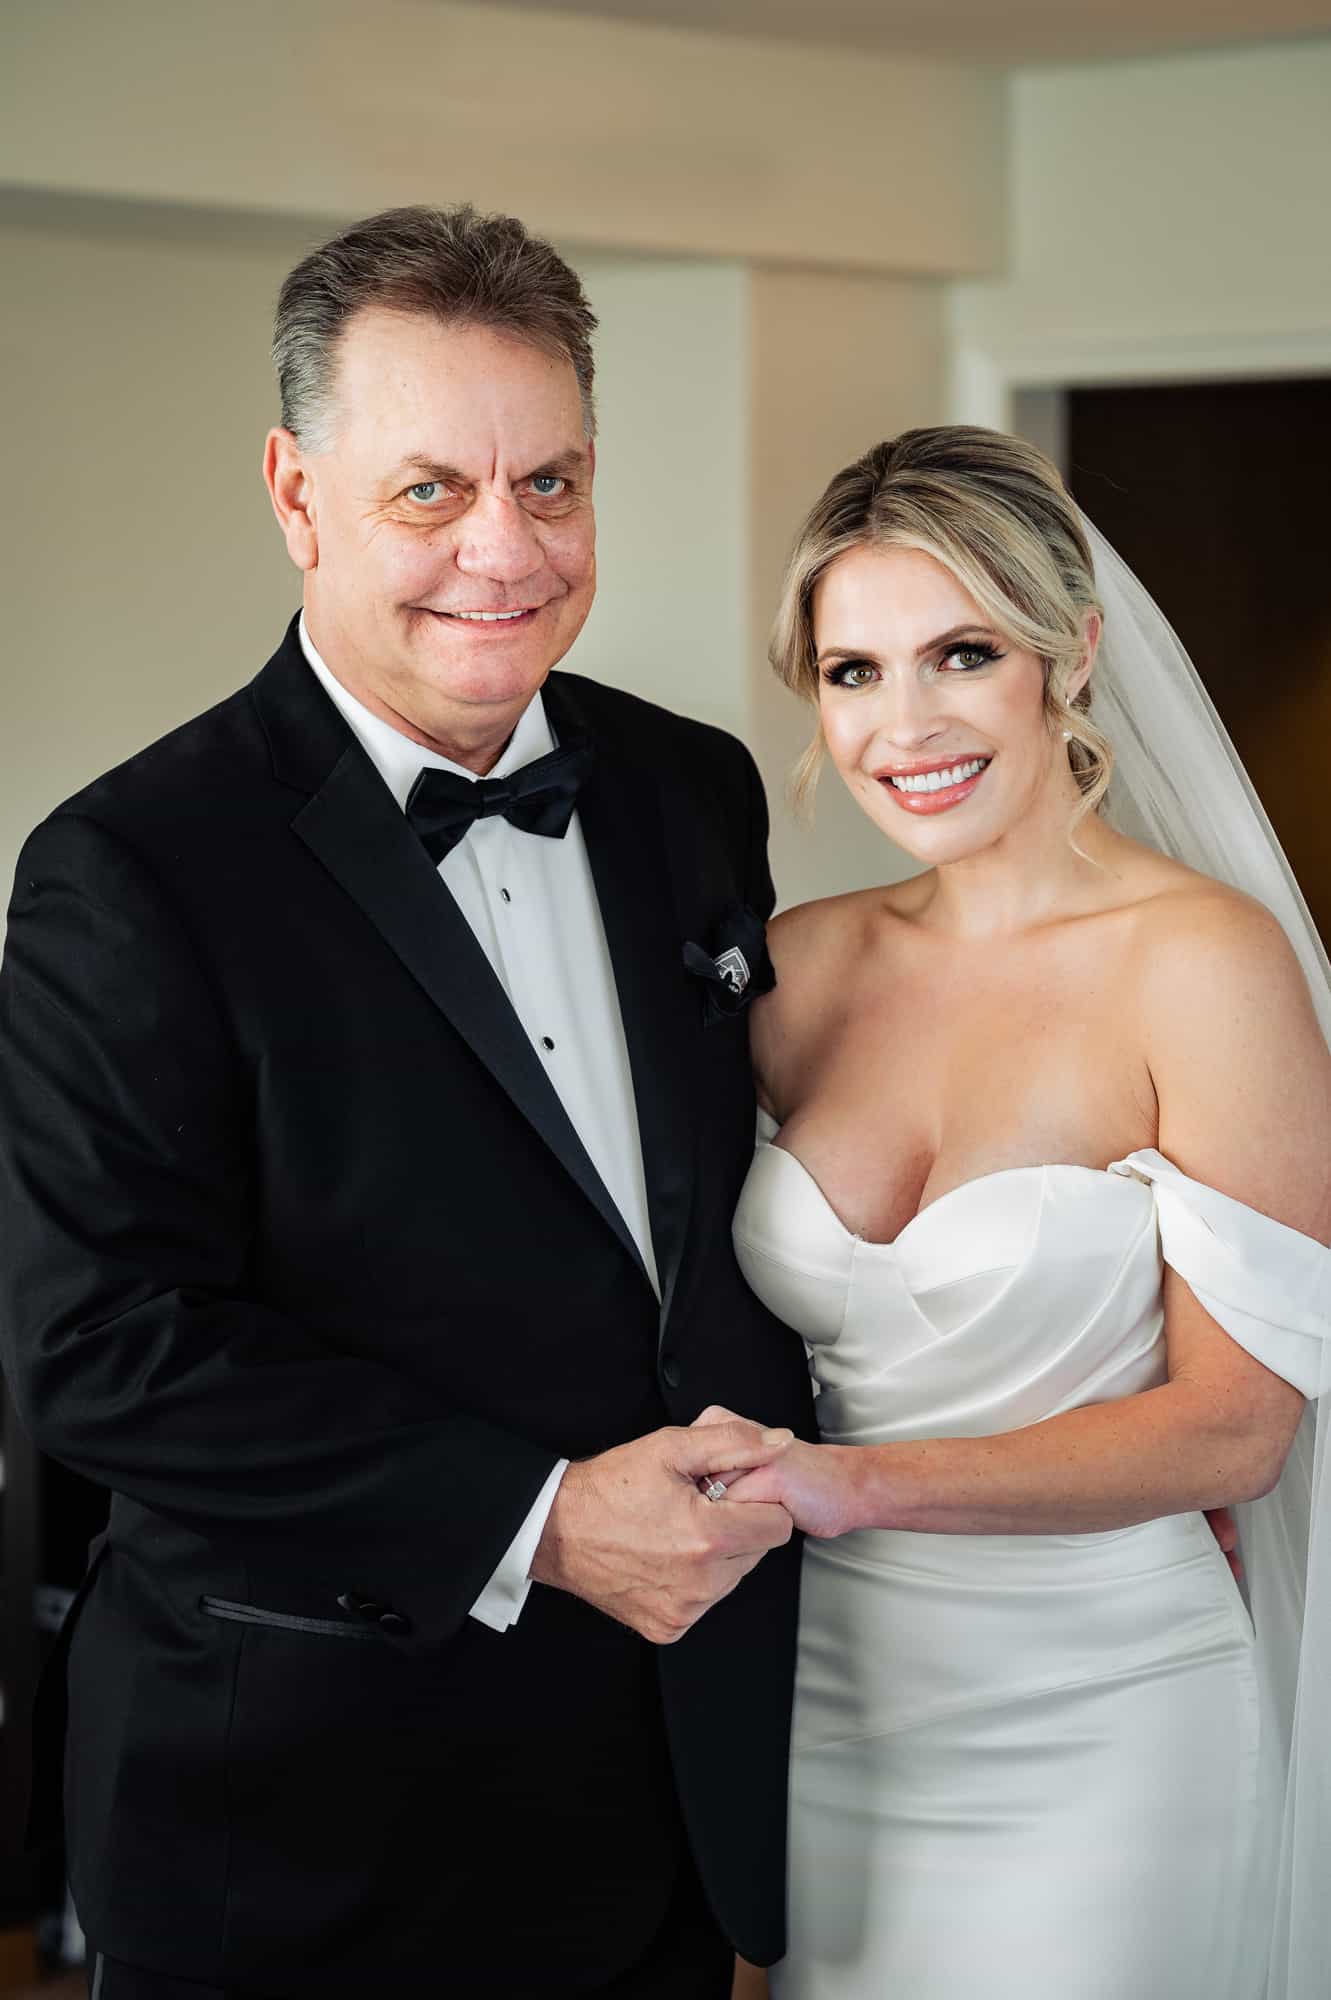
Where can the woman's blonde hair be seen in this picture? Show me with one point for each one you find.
(993, 510)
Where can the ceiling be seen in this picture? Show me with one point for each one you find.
(978, 31)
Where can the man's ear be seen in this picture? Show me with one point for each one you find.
(289, 489)
(1091, 630)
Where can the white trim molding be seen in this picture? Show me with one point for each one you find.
(982, 381)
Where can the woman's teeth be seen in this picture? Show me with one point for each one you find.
(938, 781)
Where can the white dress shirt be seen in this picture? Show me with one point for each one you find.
(532, 905)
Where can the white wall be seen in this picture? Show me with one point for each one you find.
(145, 576)
(1165, 216)
(670, 620)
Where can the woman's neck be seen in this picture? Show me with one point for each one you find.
(1033, 875)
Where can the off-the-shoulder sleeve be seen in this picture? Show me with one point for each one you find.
(1268, 1285)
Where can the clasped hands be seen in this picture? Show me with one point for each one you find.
(631, 1532)
(817, 1484)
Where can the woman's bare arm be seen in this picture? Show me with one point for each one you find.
(1243, 1079)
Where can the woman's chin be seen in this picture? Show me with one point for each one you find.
(934, 838)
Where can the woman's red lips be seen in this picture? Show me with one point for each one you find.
(935, 786)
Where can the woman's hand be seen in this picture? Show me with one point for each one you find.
(815, 1483)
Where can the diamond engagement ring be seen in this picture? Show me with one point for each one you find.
(714, 1490)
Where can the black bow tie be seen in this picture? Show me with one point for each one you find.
(539, 798)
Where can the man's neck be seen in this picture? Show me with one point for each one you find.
(475, 742)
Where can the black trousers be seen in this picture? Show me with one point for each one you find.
(689, 1959)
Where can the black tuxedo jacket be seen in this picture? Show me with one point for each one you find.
(304, 1261)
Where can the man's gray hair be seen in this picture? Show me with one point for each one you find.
(450, 264)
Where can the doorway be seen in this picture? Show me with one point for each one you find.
(1212, 492)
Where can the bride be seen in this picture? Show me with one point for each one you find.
(1044, 1184)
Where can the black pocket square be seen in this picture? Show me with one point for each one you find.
(734, 967)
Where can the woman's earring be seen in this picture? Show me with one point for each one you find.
(1067, 736)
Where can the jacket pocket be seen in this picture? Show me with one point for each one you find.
(286, 1621)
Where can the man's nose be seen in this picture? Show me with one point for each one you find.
(499, 540)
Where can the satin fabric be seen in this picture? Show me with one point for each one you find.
(1037, 1765)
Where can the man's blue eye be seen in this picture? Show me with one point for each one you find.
(425, 489)
(546, 485)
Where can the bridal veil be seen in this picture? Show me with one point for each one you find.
(1179, 785)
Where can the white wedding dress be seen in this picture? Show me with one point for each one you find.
(1035, 1767)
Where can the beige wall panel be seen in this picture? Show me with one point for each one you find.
(632, 138)
(1182, 201)
(838, 363)
(670, 620)
(147, 577)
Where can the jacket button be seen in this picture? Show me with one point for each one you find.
(351, 1605)
(671, 1373)
(371, 1611)
(393, 1621)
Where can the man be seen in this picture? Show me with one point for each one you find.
(375, 1100)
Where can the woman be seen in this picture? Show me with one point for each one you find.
(1045, 1186)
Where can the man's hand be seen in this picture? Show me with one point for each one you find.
(1221, 1523)
(631, 1533)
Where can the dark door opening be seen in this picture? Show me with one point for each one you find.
(1216, 494)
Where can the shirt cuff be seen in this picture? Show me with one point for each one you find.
(500, 1603)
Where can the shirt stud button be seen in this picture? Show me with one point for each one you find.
(504, 893)
(546, 1043)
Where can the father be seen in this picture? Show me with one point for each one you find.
(369, 1151)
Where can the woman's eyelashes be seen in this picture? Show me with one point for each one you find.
(849, 673)
(977, 653)
(962, 659)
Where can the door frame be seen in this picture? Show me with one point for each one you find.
(983, 382)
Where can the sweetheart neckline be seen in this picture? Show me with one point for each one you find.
(977, 1180)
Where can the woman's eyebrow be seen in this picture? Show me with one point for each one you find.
(847, 653)
(953, 636)
(944, 640)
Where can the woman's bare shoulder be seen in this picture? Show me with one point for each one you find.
(1190, 922)
(816, 948)
(812, 943)
(805, 937)
(1237, 1056)
(807, 926)
(1177, 910)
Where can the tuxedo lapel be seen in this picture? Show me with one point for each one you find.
(354, 827)
(619, 810)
